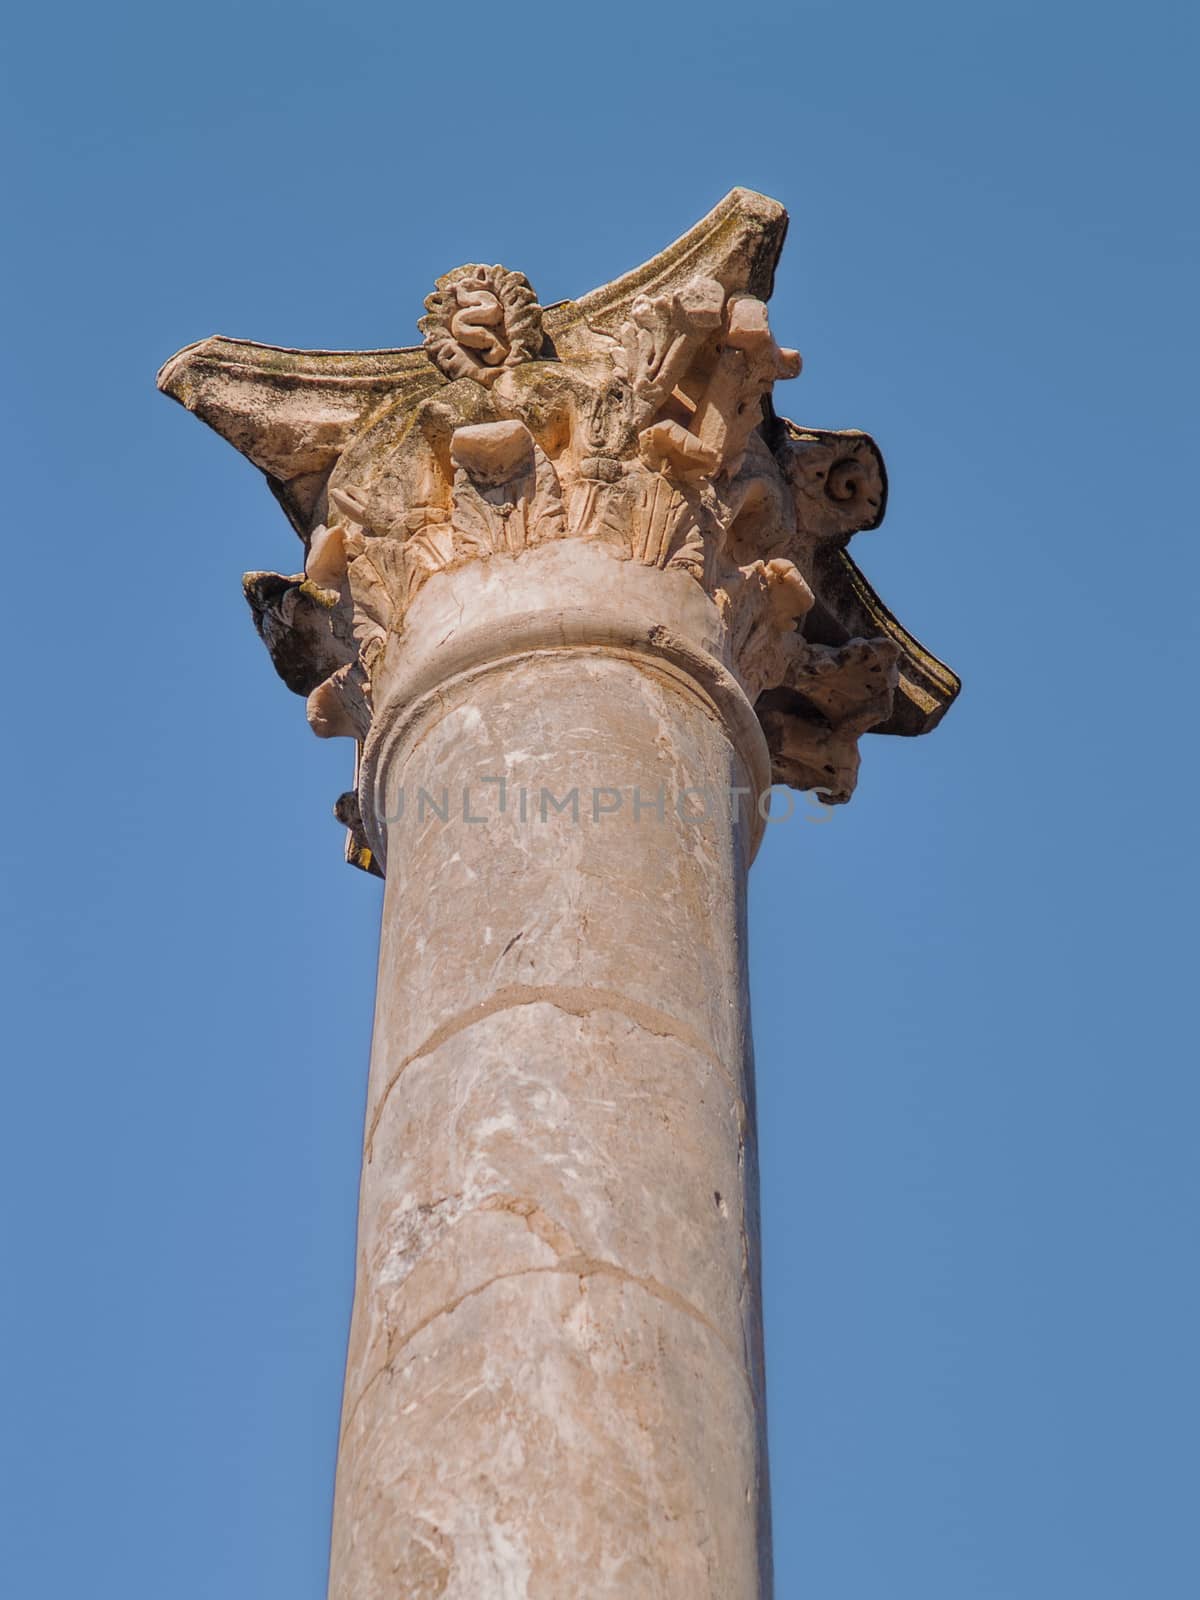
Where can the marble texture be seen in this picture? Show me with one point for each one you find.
(558, 1242)
(578, 595)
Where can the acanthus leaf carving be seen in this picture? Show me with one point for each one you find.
(638, 419)
(830, 696)
(506, 495)
(763, 603)
(652, 443)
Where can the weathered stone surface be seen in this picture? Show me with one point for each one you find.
(559, 1198)
(579, 596)
(640, 418)
(614, 1428)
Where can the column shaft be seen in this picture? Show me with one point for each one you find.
(554, 1386)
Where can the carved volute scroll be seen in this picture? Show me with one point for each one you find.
(639, 418)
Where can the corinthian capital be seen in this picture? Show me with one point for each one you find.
(638, 422)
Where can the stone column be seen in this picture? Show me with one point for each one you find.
(554, 1382)
(580, 598)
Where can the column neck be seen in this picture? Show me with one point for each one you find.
(567, 598)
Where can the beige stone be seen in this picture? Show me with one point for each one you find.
(579, 596)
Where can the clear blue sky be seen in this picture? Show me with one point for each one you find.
(973, 987)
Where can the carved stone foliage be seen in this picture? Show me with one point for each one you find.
(506, 495)
(640, 418)
(638, 439)
(480, 320)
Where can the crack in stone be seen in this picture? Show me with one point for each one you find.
(579, 1266)
(543, 1227)
(575, 1001)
